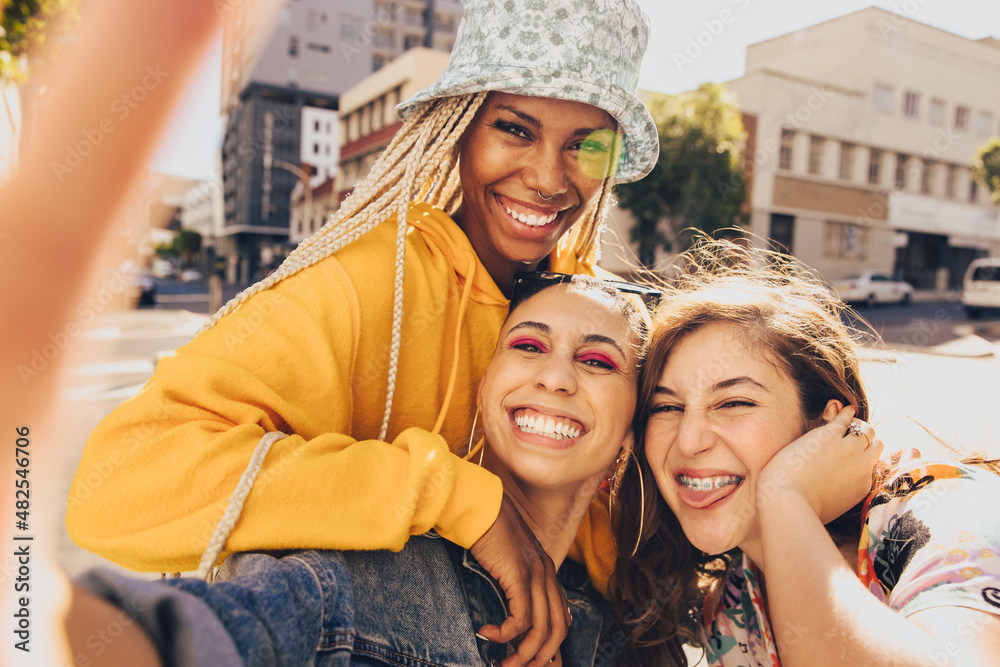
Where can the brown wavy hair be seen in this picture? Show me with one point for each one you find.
(789, 317)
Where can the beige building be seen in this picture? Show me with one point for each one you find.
(367, 111)
(865, 128)
(402, 25)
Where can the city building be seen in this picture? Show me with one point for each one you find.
(367, 124)
(865, 128)
(864, 140)
(403, 25)
(367, 110)
(281, 96)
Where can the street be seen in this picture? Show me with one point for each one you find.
(932, 372)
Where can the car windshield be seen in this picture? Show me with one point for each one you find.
(987, 273)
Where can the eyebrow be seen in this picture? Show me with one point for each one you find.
(588, 339)
(537, 124)
(718, 386)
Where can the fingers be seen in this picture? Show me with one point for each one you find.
(559, 625)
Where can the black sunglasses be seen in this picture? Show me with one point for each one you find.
(530, 283)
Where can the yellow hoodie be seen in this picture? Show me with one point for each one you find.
(309, 357)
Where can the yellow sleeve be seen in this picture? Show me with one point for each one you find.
(156, 475)
(594, 546)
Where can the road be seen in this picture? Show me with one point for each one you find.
(926, 324)
(944, 378)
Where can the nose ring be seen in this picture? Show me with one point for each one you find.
(543, 196)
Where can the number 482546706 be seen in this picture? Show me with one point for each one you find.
(21, 460)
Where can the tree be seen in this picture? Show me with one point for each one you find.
(24, 26)
(986, 167)
(187, 243)
(698, 181)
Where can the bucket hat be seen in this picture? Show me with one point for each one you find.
(580, 50)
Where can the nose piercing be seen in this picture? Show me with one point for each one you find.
(543, 196)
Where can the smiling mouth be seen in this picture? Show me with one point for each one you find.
(709, 483)
(531, 220)
(556, 428)
(536, 219)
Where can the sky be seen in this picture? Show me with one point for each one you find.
(715, 32)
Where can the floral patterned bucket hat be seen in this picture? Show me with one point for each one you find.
(581, 50)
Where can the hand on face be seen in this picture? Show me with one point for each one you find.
(726, 433)
(831, 470)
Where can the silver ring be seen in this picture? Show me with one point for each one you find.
(856, 428)
(543, 196)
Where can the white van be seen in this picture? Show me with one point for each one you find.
(981, 290)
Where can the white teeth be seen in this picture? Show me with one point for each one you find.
(708, 483)
(530, 219)
(548, 427)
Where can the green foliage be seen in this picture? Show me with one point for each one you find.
(986, 167)
(25, 25)
(698, 182)
(185, 246)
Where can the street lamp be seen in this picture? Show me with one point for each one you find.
(304, 177)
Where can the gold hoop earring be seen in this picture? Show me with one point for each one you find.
(472, 434)
(642, 502)
(642, 497)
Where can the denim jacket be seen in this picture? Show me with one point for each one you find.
(419, 607)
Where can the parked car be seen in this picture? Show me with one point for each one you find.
(981, 289)
(873, 287)
(140, 287)
(190, 275)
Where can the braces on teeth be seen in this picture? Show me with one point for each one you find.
(709, 483)
(531, 220)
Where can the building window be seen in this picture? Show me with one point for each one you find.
(901, 162)
(883, 98)
(377, 63)
(911, 104)
(949, 181)
(937, 112)
(875, 166)
(322, 48)
(961, 117)
(411, 41)
(844, 240)
(785, 152)
(316, 149)
(973, 190)
(846, 160)
(816, 154)
(927, 177)
(316, 125)
(293, 46)
(782, 232)
(984, 123)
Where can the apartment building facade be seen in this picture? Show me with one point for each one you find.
(866, 125)
(281, 97)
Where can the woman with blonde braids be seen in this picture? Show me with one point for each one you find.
(337, 395)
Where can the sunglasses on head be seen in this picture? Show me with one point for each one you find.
(529, 283)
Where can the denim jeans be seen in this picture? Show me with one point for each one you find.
(419, 607)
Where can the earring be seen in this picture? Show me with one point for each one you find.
(642, 498)
(642, 503)
(472, 434)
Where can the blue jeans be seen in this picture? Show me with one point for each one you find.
(420, 607)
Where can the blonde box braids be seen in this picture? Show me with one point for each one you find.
(420, 164)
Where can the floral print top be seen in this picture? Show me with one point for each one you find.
(936, 545)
